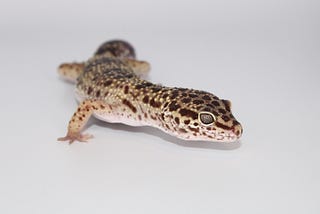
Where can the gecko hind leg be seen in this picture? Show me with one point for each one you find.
(71, 71)
(79, 119)
(140, 68)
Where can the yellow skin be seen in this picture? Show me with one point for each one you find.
(109, 86)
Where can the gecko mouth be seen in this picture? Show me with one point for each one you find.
(231, 134)
(227, 137)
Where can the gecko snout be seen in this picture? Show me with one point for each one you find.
(237, 130)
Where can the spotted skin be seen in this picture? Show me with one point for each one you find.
(109, 86)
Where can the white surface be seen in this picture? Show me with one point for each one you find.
(262, 55)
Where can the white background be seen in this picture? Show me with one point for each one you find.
(262, 55)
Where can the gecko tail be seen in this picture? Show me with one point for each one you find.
(116, 48)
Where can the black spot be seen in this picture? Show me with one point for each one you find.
(227, 104)
(174, 106)
(193, 95)
(207, 109)
(155, 89)
(165, 104)
(129, 76)
(222, 111)
(145, 99)
(188, 113)
(107, 83)
(214, 112)
(186, 100)
(206, 97)
(164, 96)
(183, 130)
(147, 84)
(140, 86)
(210, 106)
(174, 94)
(98, 93)
(186, 122)
(129, 104)
(89, 90)
(155, 104)
(197, 102)
(194, 129)
(215, 103)
(177, 120)
(126, 89)
(162, 116)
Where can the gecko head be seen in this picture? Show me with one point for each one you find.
(219, 124)
(205, 117)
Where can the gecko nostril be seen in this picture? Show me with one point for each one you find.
(238, 130)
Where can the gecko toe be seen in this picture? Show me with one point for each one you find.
(76, 137)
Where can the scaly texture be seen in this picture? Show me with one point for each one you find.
(109, 87)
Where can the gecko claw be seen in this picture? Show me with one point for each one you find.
(71, 137)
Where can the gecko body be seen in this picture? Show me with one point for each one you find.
(110, 87)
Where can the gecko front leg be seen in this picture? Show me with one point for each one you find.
(79, 119)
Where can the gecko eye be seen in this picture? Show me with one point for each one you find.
(206, 118)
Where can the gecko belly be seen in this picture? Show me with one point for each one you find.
(113, 113)
(118, 118)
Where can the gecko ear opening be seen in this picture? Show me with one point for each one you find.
(228, 104)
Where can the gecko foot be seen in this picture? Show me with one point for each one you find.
(71, 137)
